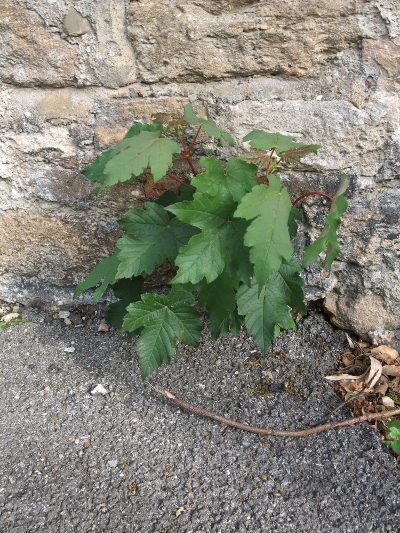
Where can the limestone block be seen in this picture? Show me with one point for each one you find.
(30, 54)
(205, 40)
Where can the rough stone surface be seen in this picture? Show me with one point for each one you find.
(74, 76)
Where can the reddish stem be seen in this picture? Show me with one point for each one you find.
(310, 193)
(194, 140)
(190, 164)
(180, 181)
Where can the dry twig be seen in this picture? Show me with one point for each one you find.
(274, 432)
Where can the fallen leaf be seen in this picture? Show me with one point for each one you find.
(391, 370)
(350, 341)
(386, 353)
(375, 372)
(347, 377)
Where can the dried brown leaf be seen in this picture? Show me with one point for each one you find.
(391, 370)
(258, 157)
(375, 372)
(386, 353)
(388, 402)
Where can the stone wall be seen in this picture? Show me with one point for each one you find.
(74, 75)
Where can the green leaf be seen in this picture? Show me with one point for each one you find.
(164, 319)
(219, 299)
(154, 235)
(269, 207)
(394, 445)
(394, 424)
(107, 270)
(294, 215)
(170, 197)
(128, 290)
(239, 177)
(328, 238)
(219, 243)
(95, 171)
(266, 141)
(267, 311)
(207, 125)
(134, 154)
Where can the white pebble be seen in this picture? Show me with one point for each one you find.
(99, 389)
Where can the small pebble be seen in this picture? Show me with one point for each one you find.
(112, 464)
(99, 389)
(63, 314)
(71, 349)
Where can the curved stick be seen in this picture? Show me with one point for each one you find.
(274, 432)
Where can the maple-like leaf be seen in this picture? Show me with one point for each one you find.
(219, 243)
(266, 141)
(291, 157)
(267, 310)
(164, 319)
(218, 297)
(134, 154)
(107, 270)
(260, 158)
(153, 235)
(95, 171)
(238, 177)
(294, 215)
(207, 125)
(328, 238)
(128, 290)
(269, 208)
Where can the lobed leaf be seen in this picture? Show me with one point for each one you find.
(328, 238)
(238, 177)
(95, 171)
(294, 215)
(153, 235)
(128, 290)
(268, 236)
(134, 155)
(107, 270)
(207, 125)
(218, 297)
(219, 243)
(267, 141)
(267, 310)
(164, 319)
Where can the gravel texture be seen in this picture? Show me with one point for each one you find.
(129, 461)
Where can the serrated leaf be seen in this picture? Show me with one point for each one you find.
(107, 270)
(154, 235)
(238, 177)
(260, 158)
(164, 319)
(95, 171)
(134, 154)
(328, 238)
(170, 197)
(266, 310)
(219, 243)
(290, 157)
(269, 208)
(128, 290)
(207, 125)
(219, 299)
(266, 141)
(294, 215)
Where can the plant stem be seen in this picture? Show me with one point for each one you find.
(194, 140)
(310, 193)
(180, 181)
(186, 152)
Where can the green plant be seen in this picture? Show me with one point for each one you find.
(394, 432)
(228, 234)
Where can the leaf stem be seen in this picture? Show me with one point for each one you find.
(194, 140)
(180, 181)
(310, 193)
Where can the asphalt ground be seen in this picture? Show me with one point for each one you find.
(129, 461)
